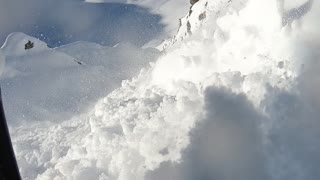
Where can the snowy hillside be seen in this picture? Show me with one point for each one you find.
(234, 96)
(169, 10)
(44, 84)
(59, 22)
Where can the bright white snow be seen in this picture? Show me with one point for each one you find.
(233, 96)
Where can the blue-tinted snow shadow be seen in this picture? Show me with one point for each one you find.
(60, 22)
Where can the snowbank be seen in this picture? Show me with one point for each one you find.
(15, 44)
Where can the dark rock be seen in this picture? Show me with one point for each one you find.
(28, 45)
(192, 2)
(189, 28)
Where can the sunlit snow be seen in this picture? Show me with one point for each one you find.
(234, 95)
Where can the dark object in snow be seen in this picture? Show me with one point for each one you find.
(202, 16)
(281, 64)
(28, 45)
(8, 165)
(189, 27)
(75, 60)
(192, 2)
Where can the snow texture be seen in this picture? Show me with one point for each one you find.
(233, 96)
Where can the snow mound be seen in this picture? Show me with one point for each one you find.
(15, 44)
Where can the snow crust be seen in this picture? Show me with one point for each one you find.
(233, 96)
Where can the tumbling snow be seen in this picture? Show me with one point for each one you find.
(234, 95)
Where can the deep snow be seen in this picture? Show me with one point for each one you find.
(234, 95)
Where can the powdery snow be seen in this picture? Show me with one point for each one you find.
(236, 99)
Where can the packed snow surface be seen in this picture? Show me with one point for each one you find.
(234, 96)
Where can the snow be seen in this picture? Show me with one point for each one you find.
(169, 10)
(14, 44)
(232, 96)
(2, 62)
(293, 4)
(60, 22)
(44, 84)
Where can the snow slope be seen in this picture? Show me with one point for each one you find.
(60, 22)
(44, 84)
(235, 98)
(169, 10)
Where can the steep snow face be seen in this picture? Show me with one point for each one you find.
(236, 99)
(197, 14)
